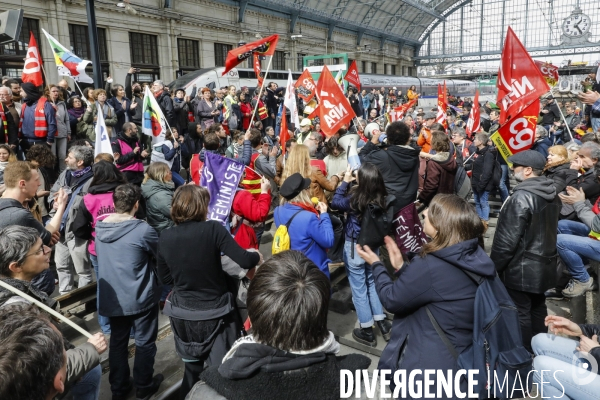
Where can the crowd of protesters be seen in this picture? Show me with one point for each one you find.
(136, 221)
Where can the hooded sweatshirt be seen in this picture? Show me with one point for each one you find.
(128, 284)
(540, 186)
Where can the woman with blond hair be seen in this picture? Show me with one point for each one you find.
(91, 115)
(434, 286)
(157, 190)
(558, 168)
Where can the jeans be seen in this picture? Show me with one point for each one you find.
(146, 330)
(104, 322)
(481, 204)
(532, 313)
(595, 123)
(177, 179)
(575, 248)
(502, 185)
(364, 296)
(88, 388)
(563, 371)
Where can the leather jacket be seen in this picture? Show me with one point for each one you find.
(524, 247)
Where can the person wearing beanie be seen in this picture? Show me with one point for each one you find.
(38, 118)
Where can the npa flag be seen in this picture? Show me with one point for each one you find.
(220, 176)
(442, 105)
(305, 86)
(352, 75)
(67, 63)
(398, 113)
(520, 81)
(284, 135)
(549, 71)
(334, 108)
(257, 71)
(102, 139)
(474, 121)
(153, 120)
(289, 100)
(518, 134)
(32, 70)
(262, 47)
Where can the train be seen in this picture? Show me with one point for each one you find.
(426, 87)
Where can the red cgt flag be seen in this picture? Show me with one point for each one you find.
(520, 81)
(474, 121)
(284, 135)
(32, 70)
(262, 47)
(442, 106)
(398, 113)
(518, 134)
(334, 108)
(352, 75)
(549, 71)
(257, 71)
(305, 86)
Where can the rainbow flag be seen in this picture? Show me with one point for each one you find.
(68, 64)
(153, 119)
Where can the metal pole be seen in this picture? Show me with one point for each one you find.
(94, 46)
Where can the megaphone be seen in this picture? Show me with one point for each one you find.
(349, 142)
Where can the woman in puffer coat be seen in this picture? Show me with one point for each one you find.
(558, 168)
(91, 115)
(157, 190)
(440, 170)
(434, 281)
(63, 124)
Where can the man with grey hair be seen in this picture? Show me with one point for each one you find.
(542, 142)
(8, 127)
(464, 148)
(71, 252)
(164, 101)
(524, 247)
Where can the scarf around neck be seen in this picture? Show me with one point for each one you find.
(80, 172)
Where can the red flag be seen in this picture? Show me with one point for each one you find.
(305, 86)
(549, 71)
(334, 108)
(284, 135)
(257, 71)
(399, 111)
(442, 106)
(32, 70)
(352, 75)
(518, 134)
(520, 81)
(263, 47)
(474, 121)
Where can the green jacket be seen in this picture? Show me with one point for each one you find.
(158, 198)
(89, 117)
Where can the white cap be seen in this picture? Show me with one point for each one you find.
(305, 122)
(394, 88)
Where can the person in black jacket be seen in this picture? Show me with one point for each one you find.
(398, 163)
(558, 168)
(435, 280)
(549, 113)
(164, 101)
(201, 306)
(8, 127)
(542, 143)
(561, 359)
(524, 247)
(181, 107)
(482, 180)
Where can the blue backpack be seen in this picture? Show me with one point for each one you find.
(497, 349)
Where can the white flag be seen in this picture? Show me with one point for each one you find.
(290, 101)
(102, 139)
(153, 120)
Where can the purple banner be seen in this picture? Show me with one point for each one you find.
(221, 176)
(408, 231)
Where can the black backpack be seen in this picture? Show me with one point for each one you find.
(497, 346)
(376, 224)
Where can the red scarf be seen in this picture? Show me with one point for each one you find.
(306, 207)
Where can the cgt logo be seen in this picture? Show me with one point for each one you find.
(32, 64)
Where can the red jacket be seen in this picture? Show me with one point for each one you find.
(252, 211)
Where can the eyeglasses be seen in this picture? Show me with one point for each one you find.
(41, 250)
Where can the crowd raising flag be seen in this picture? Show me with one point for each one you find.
(334, 108)
(289, 101)
(32, 70)
(153, 120)
(474, 121)
(262, 47)
(352, 75)
(442, 105)
(305, 86)
(67, 63)
(397, 114)
(102, 139)
(518, 86)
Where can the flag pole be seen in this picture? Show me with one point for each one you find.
(81, 91)
(45, 76)
(45, 308)
(564, 119)
(260, 93)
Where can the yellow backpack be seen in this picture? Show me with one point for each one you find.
(281, 241)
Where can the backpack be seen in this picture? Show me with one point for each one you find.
(497, 346)
(462, 183)
(281, 240)
(376, 224)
